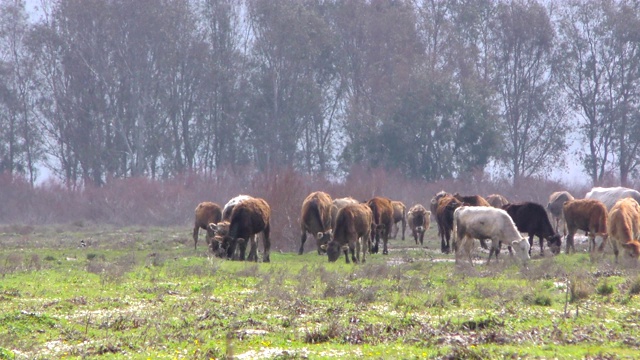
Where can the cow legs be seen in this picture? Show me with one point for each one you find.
(196, 230)
(569, 248)
(303, 238)
(266, 244)
(421, 238)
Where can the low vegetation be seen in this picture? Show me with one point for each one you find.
(146, 293)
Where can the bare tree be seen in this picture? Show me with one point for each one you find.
(530, 99)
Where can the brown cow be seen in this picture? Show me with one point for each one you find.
(228, 207)
(624, 227)
(206, 213)
(434, 202)
(497, 200)
(220, 230)
(399, 214)
(444, 218)
(316, 219)
(554, 206)
(419, 220)
(587, 215)
(339, 204)
(382, 220)
(249, 218)
(352, 233)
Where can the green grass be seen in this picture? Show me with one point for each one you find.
(145, 293)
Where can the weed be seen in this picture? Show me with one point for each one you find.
(579, 289)
(634, 285)
(605, 288)
(332, 331)
(49, 258)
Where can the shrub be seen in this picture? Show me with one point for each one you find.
(634, 287)
(605, 288)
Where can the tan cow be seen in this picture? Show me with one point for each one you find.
(206, 212)
(586, 215)
(419, 220)
(399, 215)
(352, 233)
(624, 227)
(382, 220)
(497, 200)
(249, 218)
(316, 219)
(339, 204)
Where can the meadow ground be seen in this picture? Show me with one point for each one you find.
(145, 293)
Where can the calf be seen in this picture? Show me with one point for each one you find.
(399, 215)
(587, 215)
(316, 219)
(531, 218)
(419, 220)
(497, 200)
(249, 218)
(206, 213)
(352, 233)
(556, 201)
(444, 218)
(624, 227)
(482, 222)
(382, 220)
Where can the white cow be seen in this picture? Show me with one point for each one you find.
(228, 207)
(609, 196)
(481, 222)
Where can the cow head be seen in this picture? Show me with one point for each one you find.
(216, 246)
(221, 228)
(333, 250)
(521, 248)
(554, 243)
(632, 249)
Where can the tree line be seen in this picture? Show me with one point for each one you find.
(108, 89)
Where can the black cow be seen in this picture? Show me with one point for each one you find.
(531, 218)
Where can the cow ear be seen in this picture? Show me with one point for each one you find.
(213, 226)
(329, 232)
(428, 212)
(345, 247)
(323, 246)
(319, 235)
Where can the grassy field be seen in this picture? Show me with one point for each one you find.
(145, 293)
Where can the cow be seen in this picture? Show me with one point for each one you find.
(472, 200)
(434, 202)
(399, 215)
(531, 218)
(382, 220)
(206, 212)
(444, 218)
(419, 220)
(623, 227)
(497, 200)
(220, 230)
(483, 222)
(609, 196)
(316, 219)
(586, 215)
(249, 217)
(228, 207)
(339, 204)
(554, 206)
(352, 233)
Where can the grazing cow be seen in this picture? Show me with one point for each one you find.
(419, 220)
(482, 222)
(531, 218)
(316, 219)
(220, 230)
(249, 218)
(352, 233)
(382, 220)
(556, 201)
(586, 215)
(228, 207)
(609, 196)
(399, 215)
(339, 204)
(624, 227)
(206, 213)
(444, 218)
(497, 200)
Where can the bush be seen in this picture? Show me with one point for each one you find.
(604, 288)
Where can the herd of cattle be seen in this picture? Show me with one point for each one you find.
(355, 228)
